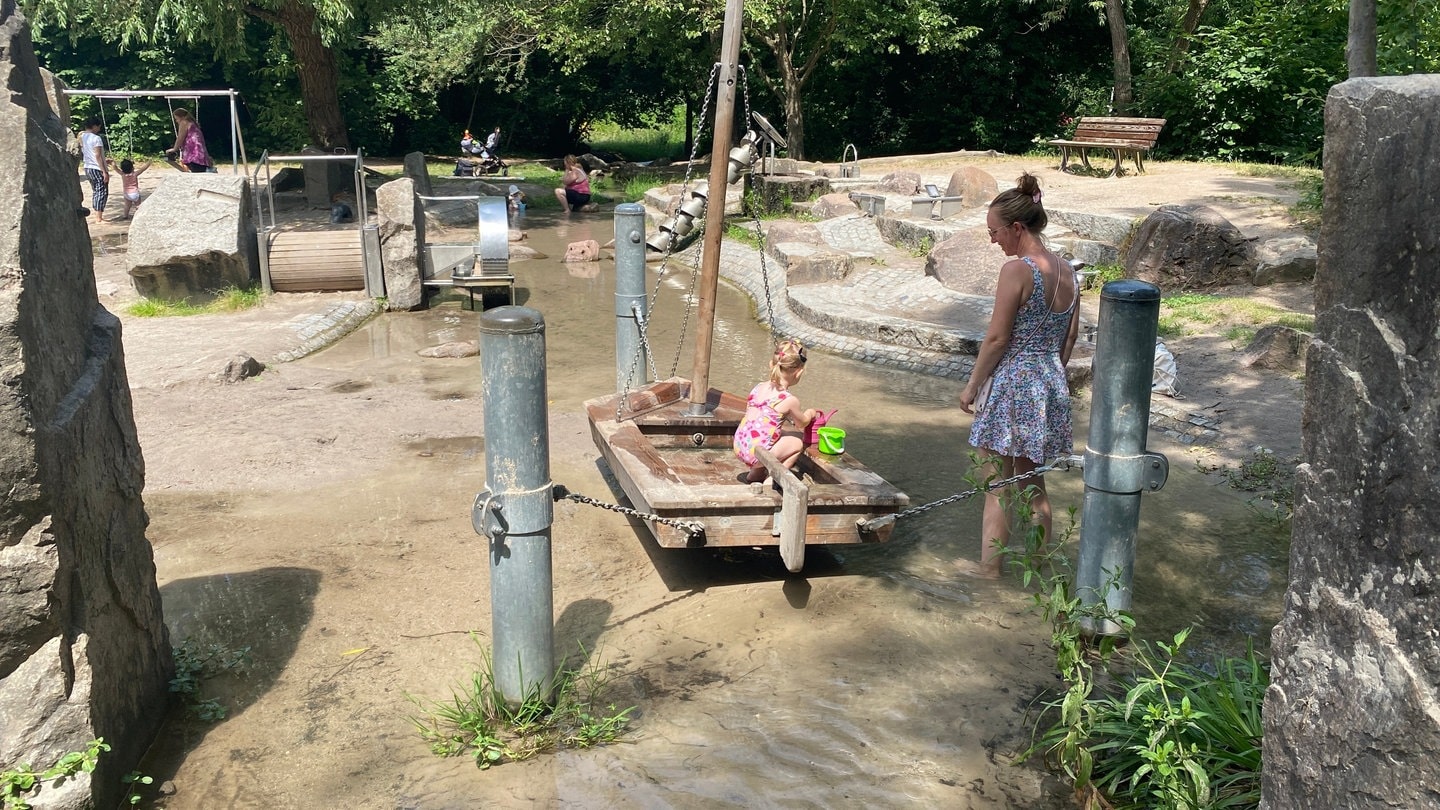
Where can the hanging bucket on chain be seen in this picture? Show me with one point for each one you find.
(832, 440)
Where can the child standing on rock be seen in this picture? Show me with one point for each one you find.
(769, 405)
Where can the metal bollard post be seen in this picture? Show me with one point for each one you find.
(1117, 466)
(516, 509)
(631, 305)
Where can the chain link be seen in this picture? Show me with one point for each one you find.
(690, 527)
(1062, 463)
(665, 264)
(755, 218)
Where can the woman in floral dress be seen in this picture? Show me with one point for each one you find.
(1025, 419)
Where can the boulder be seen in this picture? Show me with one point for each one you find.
(1277, 347)
(194, 236)
(1291, 258)
(1108, 228)
(965, 263)
(778, 192)
(1350, 713)
(1188, 247)
(792, 230)
(517, 235)
(584, 251)
(809, 263)
(837, 204)
(975, 187)
(904, 183)
(417, 170)
(523, 252)
(240, 367)
(84, 652)
(401, 218)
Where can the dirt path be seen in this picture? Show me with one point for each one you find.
(311, 514)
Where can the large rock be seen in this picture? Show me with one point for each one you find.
(193, 237)
(809, 263)
(1187, 247)
(585, 250)
(1351, 715)
(83, 649)
(965, 263)
(904, 183)
(833, 205)
(792, 230)
(778, 192)
(402, 232)
(1291, 258)
(975, 187)
(1275, 347)
(419, 172)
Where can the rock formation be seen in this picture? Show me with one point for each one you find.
(83, 649)
(1351, 717)
(193, 237)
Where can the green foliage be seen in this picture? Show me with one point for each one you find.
(661, 138)
(744, 235)
(230, 299)
(1135, 726)
(22, 782)
(1106, 273)
(196, 663)
(135, 780)
(479, 722)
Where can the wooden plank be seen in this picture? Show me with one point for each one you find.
(795, 497)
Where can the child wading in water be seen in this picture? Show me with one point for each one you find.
(130, 181)
(769, 405)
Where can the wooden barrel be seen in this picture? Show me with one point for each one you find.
(316, 261)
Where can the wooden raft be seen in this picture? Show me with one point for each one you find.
(316, 261)
(1121, 137)
(684, 468)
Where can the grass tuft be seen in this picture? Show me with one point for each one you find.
(477, 721)
(230, 299)
(1198, 313)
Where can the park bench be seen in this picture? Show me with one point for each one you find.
(1122, 137)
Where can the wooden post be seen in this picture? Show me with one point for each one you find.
(794, 510)
(715, 208)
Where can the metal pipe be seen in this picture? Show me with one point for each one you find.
(517, 508)
(631, 305)
(1117, 465)
(715, 211)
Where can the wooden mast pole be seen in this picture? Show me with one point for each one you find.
(715, 205)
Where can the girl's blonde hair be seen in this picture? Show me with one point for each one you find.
(789, 356)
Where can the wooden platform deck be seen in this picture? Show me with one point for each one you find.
(683, 467)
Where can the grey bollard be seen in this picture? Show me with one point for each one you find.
(516, 509)
(1117, 466)
(630, 359)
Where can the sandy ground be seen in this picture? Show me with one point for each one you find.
(310, 513)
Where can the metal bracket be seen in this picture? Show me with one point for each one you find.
(1146, 472)
(485, 515)
(530, 511)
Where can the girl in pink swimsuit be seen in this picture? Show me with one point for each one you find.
(769, 405)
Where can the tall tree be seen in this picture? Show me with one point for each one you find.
(1124, 97)
(313, 27)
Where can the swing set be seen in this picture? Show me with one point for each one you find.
(237, 141)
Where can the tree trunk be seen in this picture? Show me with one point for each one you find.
(319, 76)
(794, 112)
(1181, 47)
(1360, 49)
(1120, 49)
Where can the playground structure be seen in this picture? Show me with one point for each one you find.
(344, 256)
(237, 141)
(477, 267)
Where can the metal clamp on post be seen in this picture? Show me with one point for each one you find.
(513, 513)
(1146, 472)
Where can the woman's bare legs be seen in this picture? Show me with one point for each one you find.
(999, 512)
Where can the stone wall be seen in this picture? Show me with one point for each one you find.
(1352, 718)
(83, 649)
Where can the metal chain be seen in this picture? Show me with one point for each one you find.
(1062, 463)
(690, 527)
(759, 232)
(643, 348)
(710, 91)
(665, 260)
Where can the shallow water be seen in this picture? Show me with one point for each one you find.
(877, 678)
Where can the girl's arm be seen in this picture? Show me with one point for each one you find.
(142, 169)
(1009, 294)
(180, 137)
(801, 417)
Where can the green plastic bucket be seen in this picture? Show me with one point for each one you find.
(831, 440)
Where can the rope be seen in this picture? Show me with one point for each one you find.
(1064, 463)
(690, 527)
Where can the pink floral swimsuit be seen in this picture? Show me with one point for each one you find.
(761, 425)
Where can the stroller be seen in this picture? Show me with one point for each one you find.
(476, 160)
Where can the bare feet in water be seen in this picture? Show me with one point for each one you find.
(970, 568)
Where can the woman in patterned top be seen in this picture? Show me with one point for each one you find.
(1025, 419)
(769, 405)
